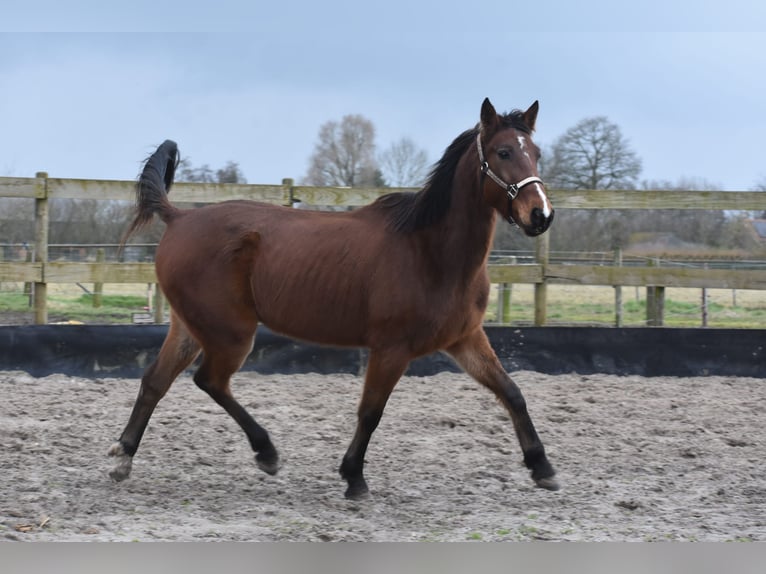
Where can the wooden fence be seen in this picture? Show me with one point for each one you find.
(541, 273)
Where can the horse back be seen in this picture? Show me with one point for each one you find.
(338, 278)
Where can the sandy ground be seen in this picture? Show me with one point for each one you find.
(639, 459)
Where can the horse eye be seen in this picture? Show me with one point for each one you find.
(504, 153)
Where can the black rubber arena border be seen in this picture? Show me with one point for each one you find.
(125, 350)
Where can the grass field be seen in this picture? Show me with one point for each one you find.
(587, 305)
(567, 305)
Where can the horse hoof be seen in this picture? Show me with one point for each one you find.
(548, 483)
(268, 466)
(358, 493)
(124, 464)
(118, 474)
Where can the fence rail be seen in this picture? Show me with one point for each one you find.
(542, 272)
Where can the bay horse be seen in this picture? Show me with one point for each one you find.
(404, 276)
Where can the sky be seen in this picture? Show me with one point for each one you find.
(88, 89)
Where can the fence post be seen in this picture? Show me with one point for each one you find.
(507, 291)
(541, 289)
(500, 303)
(159, 305)
(288, 183)
(98, 288)
(655, 301)
(704, 307)
(704, 303)
(40, 294)
(618, 290)
(659, 306)
(29, 288)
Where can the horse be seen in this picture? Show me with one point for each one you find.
(403, 277)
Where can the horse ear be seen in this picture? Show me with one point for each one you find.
(530, 116)
(488, 115)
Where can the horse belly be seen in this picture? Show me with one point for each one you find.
(328, 310)
(320, 321)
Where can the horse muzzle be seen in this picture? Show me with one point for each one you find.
(539, 222)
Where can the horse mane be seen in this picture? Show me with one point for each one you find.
(408, 211)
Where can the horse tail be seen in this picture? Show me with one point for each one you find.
(153, 186)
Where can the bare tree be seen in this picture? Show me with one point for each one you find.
(683, 184)
(187, 172)
(605, 229)
(345, 154)
(760, 186)
(403, 164)
(230, 173)
(592, 155)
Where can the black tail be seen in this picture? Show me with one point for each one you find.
(153, 186)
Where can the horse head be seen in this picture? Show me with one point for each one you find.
(508, 161)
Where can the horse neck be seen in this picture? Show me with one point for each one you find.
(464, 237)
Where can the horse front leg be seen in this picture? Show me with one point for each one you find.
(384, 369)
(476, 356)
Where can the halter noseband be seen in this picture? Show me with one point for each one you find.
(512, 189)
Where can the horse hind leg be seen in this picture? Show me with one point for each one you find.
(214, 376)
(178, 351)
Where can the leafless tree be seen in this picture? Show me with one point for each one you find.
(682, 184)
(760, 186)
(592, 155)
(230, 173)
(345, 154)
(403, 164)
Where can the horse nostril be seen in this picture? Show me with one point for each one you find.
(539, 220)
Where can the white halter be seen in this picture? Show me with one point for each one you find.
(511, 188)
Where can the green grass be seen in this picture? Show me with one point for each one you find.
(677, 314)
(113, 309)
(119, 301)
(566, 306)
(475, 536)
(14, 302)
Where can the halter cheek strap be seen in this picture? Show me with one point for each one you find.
(512, 189)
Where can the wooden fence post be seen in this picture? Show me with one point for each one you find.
(506, 291)
(541, 289)
(704, 304)
(500, 303)
(98, 288)
(655, 301)
(29, 287)
(618, 290)
(704, 307)
(159, 305)
(288, 183)
(659, 306)
(40, 294)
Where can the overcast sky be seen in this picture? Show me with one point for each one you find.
(88, 92)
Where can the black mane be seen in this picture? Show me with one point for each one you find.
(409, 211)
